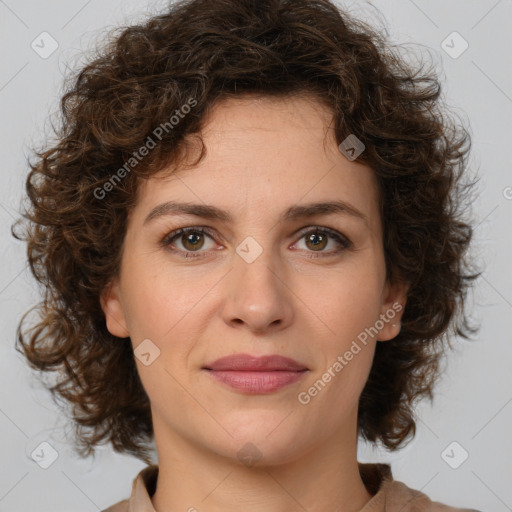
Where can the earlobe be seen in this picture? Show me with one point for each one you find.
(112, 308)
(392, 310)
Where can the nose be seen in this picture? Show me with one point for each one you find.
(258, 295)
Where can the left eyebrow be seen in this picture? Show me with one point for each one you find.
(295, 212)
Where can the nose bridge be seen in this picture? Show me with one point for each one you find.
(256, 266)
(258, 296)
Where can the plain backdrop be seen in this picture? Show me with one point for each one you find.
(463, 448)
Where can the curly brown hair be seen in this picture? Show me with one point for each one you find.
(199, 52)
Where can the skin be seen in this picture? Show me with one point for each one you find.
(264, 155)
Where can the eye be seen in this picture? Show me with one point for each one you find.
(192, 240)
(317, 239)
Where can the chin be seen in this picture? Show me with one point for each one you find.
(264, 441)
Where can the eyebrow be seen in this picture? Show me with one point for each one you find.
(295, 212)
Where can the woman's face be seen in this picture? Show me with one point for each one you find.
(263, 279)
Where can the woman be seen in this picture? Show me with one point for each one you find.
(251, 232)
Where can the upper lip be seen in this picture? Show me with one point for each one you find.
(246, 362)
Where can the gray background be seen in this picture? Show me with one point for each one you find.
(473, 404)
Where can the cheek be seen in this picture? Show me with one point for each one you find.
(348, 301)
(349, 308)
(158, 301)
(341, 379)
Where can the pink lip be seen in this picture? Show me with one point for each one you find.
(254, 375)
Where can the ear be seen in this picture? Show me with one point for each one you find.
(393, 306)
(111, 305)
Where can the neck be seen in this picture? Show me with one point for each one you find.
(193, 478)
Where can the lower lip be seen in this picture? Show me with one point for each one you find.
(254, 383)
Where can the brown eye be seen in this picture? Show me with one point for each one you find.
(191, 239)
(316, 241)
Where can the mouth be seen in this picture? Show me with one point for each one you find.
(256, 375)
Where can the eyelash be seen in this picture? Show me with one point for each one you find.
(170, 237)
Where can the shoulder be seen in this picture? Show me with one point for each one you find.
(121, 506)
(143, 487)
(390, 495)
(399, 496)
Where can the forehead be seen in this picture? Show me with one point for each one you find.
(264, 155)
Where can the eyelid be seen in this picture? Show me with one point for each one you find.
(334, 233)
(340, 238)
